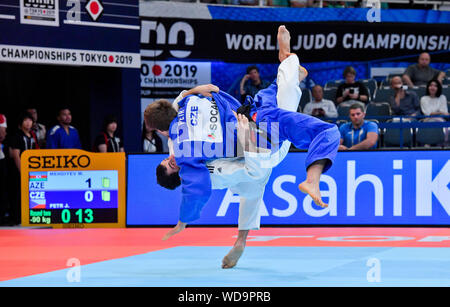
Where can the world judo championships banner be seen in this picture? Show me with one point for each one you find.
(362, 188)
(256, 42)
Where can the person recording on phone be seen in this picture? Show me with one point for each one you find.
(351, 91)
(403, 102)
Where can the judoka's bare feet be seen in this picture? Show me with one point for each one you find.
(311, 185)
(312, 189)
(284, 43)
(231, 259)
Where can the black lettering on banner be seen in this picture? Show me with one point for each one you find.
(74, 161)
(33, 162)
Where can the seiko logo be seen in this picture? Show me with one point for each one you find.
(72, 161)
(154, 33)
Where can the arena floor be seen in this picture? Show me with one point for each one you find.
(274, 257)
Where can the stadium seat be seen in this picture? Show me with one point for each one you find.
(371, 84)
(333, 84)
(383, 94)
(343, 111)
(420, 91)
(306, 97)
(446, 81)
(446, 92)
(330, 94)
(391, 137)
(430, 136)
(378, 109)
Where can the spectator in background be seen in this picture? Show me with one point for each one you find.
(38, 129)
(107, 140)
(252, 83)
(302, 3)
(152, 141)
(434, 103)
(24, 139)
(3, 127)
(359, 134)
(351, 92)
(3, 172)
(403, 102)
(421, 73)
(283, 3)
(63, 135)
(320, 107)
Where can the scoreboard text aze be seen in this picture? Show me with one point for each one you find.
(73, 188)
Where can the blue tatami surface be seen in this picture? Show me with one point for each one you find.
(261, 267)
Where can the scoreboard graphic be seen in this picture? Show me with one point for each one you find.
(73, 188)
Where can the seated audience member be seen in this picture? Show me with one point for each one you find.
(38, 129)
(351, 92)
(302, 3)
(320, 107)
(107, 140)
(421, 73)
(403, 102)
(24, 139)
(252, 83)
(279, 3)
(359, 134)
(63, 135)
(434, 103)
(152, 141)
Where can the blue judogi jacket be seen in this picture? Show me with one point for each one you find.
(204, 129)
(58, 138)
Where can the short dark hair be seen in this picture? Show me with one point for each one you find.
(349, 70)
(24, 115)
(357, 106)
(159, 115)
(252, 67)
(439, 88)
(171, 181)
(109, 119)
(60, 109)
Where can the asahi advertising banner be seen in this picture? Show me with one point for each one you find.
(250, 42)
(361, 188)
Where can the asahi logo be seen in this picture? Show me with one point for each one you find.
(63, 161)
(156, 38)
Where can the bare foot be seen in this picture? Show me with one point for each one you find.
(313, 191)
(284, 43)
(231, 259)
